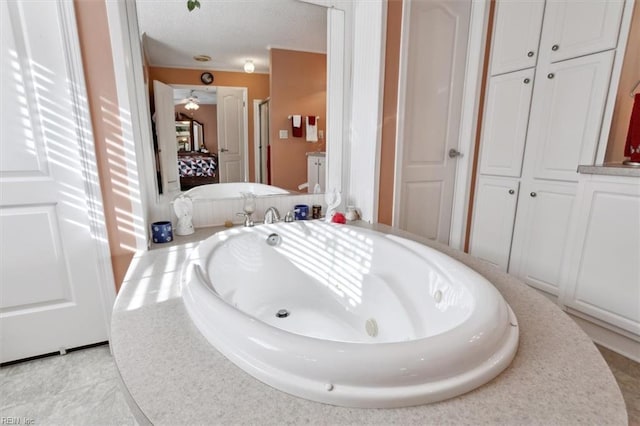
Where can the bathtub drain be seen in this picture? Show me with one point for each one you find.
(282, 313)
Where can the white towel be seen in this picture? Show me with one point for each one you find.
(297, 121)
(312, 131)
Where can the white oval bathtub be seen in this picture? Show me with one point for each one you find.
(216, 191)
(348, 316)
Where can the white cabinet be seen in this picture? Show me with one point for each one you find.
(541, 231)
(578, 28)
(493, 220)
(566, 114)
(505, 126)
(316, 171)
(603, 268)
(543, 116)
(516, 35)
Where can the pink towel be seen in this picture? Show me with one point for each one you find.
(296, 126)
(632, 147)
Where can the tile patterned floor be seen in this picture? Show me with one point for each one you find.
(627, 374)
(81, 388)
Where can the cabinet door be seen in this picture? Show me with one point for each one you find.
(322, 175)
(505, 124)
(493, 217)
(516, 35)
(604, 253)
(566, 115)
(578, 28)
(540, 235)
(312, 172)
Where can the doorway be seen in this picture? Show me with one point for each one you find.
(435, 55)
(262, 142)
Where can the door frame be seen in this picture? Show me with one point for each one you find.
(470, 103)
(86, 146)
(256, 140)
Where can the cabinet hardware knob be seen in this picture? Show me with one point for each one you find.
(530, 53)
(555, 47)
(511, 191)
(550, 75)
(527, 80)
(533, 194)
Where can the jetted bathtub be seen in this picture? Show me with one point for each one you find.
(217, 191)
(348, 316)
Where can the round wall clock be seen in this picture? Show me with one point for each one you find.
(206, 78)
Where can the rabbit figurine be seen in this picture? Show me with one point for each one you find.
(183, 207)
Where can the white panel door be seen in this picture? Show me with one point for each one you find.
(540, 234)
(166, 133)
(438, 32)
(505, 126)
(604, 273)
(516, 35)
(494, 213)
(574, 28)
(49, 273)
(566, 115)
(231, 134)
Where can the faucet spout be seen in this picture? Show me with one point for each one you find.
(271, 215)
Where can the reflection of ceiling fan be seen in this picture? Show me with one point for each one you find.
(190, 103)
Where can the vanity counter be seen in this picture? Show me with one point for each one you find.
(610, 170)
(174, 376)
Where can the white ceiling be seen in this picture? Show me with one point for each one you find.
(230, 31)
(207, 95)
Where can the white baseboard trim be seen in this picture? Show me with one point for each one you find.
(617, 342)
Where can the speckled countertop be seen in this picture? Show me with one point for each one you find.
(610, 169)
(176, 377)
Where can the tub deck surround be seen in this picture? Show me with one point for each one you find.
(317, 310)
(175, 376)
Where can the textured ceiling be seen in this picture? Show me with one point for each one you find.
(230, 31)
(206, 95)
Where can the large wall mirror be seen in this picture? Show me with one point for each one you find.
(263, 118)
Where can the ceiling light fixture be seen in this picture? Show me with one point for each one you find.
(192, 103)
(249, 67)
(202, 58)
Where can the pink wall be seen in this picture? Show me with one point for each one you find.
(389, 112)
(100, 79)
(298, 86)
(624, 102)
(207, 116)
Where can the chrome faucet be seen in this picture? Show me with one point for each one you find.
(271, 215)
(248, 220)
